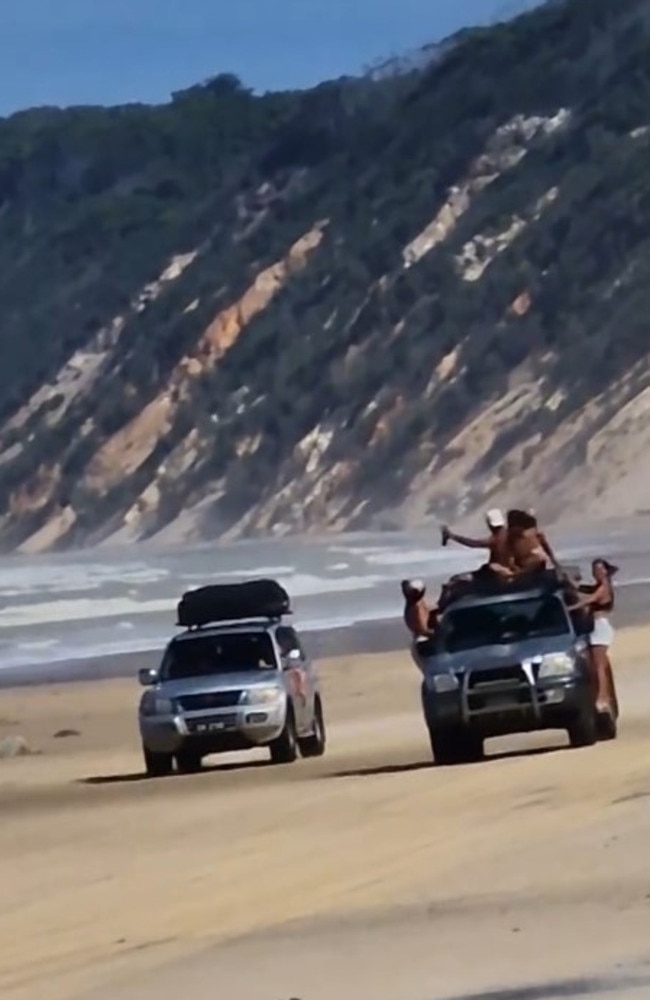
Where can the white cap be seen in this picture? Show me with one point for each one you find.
(418, 585)
(495, 519)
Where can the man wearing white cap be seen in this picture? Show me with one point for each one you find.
(496, 544)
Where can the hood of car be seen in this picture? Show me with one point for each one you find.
(498, 656)
(237, 680)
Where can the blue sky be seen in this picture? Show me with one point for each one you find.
(112, 51)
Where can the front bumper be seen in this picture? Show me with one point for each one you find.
(502, 709)
(239, 728)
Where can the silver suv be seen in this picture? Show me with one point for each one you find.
(230, 687)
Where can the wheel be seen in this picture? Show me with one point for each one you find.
(284, 750)
(583, 730)
(314, 745)
(455, 746)
(188, 761)
(606, 727)
(157, 765)
(613, 693)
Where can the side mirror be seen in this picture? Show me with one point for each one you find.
(148, 676)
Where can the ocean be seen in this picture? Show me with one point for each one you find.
(84, 605)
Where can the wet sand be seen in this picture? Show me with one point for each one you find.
(365, 875)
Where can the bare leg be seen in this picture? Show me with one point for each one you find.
(501, 571)
(600, 662)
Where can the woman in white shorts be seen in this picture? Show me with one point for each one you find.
(599, 597)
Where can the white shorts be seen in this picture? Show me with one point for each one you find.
(603, 633)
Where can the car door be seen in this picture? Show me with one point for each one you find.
(310, 679)
(294, 666)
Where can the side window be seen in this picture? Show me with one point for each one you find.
(287, 639)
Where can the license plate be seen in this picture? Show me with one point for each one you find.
(214, 725)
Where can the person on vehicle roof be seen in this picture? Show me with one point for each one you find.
(528, 546)
(497, 544)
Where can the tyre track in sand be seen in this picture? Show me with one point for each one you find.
(367, 874)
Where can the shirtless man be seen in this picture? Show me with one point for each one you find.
(527, 544)
(497, 544)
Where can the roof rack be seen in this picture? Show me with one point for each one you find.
(485, 587)
(230, 622)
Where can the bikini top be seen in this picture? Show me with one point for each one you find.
(591, 588)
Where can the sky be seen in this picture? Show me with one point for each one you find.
(62, 52)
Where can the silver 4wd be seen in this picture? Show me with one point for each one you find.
(502, 664)
(230, 687)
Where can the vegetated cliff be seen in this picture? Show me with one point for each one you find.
(384, 300)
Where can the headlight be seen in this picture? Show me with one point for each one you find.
(262, 695)
(153, 704)
(441, 683)
(556, 665)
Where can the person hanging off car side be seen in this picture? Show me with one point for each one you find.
(598, 597)
(419, 618)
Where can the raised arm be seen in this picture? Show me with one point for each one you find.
(546, 545)
(424, 619)
(468, 543)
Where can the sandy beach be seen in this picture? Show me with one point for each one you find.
(366, 875)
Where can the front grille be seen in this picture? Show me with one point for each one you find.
(506, 676)
(498, 689)
(206, 702)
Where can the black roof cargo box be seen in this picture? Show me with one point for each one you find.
(224, 602)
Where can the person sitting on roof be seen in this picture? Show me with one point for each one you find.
(497, 544)
(528, 547)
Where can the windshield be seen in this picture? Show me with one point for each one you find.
(207, 655)
(505, 622)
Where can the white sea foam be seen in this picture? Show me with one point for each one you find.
(440, 562)
(88, 608)
(40, 577)
(28, 654)
(274, 572)
(83, 609)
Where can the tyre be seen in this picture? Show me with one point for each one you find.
(284, 750)
(157, 765)
(606, 727)
(583, 731)
(613, 692)
(455, 746)
(314, 745)
(188, 761)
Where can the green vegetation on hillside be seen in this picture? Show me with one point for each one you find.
(94, 203)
